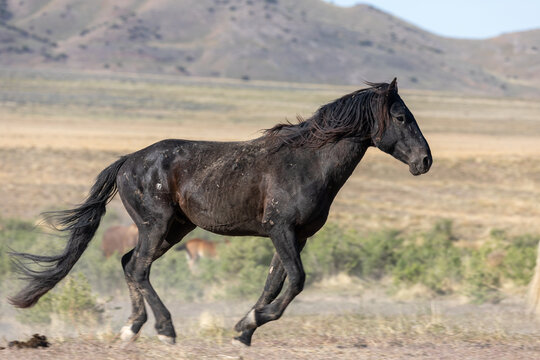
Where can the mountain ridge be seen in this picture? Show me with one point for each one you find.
(283, 40)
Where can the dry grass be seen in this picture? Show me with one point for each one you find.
(57, 132)
(435, 330)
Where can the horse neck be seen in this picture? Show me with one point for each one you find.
(339, 160)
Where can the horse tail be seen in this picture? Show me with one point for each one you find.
(81, 223)
(533, 295)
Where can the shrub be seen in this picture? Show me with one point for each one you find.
(499, 259)
(171, 274)
(332, 251)
(481, 282)
(380, 253)
(17, 235)
(73, 302)
(430, 258)
(243, 266)
(434, 261)
(520, 260)
(240, 270)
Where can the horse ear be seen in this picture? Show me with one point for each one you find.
(393, 85)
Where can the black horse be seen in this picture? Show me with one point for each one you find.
(280, 185)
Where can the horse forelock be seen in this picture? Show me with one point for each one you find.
(352, 115)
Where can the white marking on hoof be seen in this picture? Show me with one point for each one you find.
(166, 339)
(238, 343)
(126, 334)
(251, 318)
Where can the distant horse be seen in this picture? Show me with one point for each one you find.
(196, 249)
(280, 185)
(119, 239)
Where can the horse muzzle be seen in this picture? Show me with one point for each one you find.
(421, 165)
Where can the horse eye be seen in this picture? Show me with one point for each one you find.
(401, 118)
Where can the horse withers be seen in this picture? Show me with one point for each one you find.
(280, 185)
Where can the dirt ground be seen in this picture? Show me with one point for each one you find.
(318, 325)
(317, 347)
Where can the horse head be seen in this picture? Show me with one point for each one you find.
(398, 134)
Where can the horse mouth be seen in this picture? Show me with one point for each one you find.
(418, 170)
(421, 166)
(413, 170)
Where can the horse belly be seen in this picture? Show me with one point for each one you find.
(224, 212)
(222, 192)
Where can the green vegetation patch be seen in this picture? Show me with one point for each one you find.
(434, 259)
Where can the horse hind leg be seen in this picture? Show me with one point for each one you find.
(138, 311)
(164, 325)
(154, 241)
(136, 264)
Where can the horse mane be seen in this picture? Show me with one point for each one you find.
(352, 115)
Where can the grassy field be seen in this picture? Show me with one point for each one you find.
(58, 130)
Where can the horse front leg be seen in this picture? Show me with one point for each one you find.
(288, 250)
(272, 288)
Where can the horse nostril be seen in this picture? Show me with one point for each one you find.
(426, 162)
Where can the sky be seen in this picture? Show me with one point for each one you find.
(472, 19)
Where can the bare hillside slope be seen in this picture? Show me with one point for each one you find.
(284, 40)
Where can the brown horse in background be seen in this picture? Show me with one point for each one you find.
(119, 239)
(197, 248)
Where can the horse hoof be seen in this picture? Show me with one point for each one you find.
(167, 339)
(239, 342)
(126, 334)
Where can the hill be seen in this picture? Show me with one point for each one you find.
(284, 40)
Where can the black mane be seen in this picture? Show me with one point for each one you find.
(352, 115)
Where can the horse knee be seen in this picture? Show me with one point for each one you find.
(139, 275)
(135, 275)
